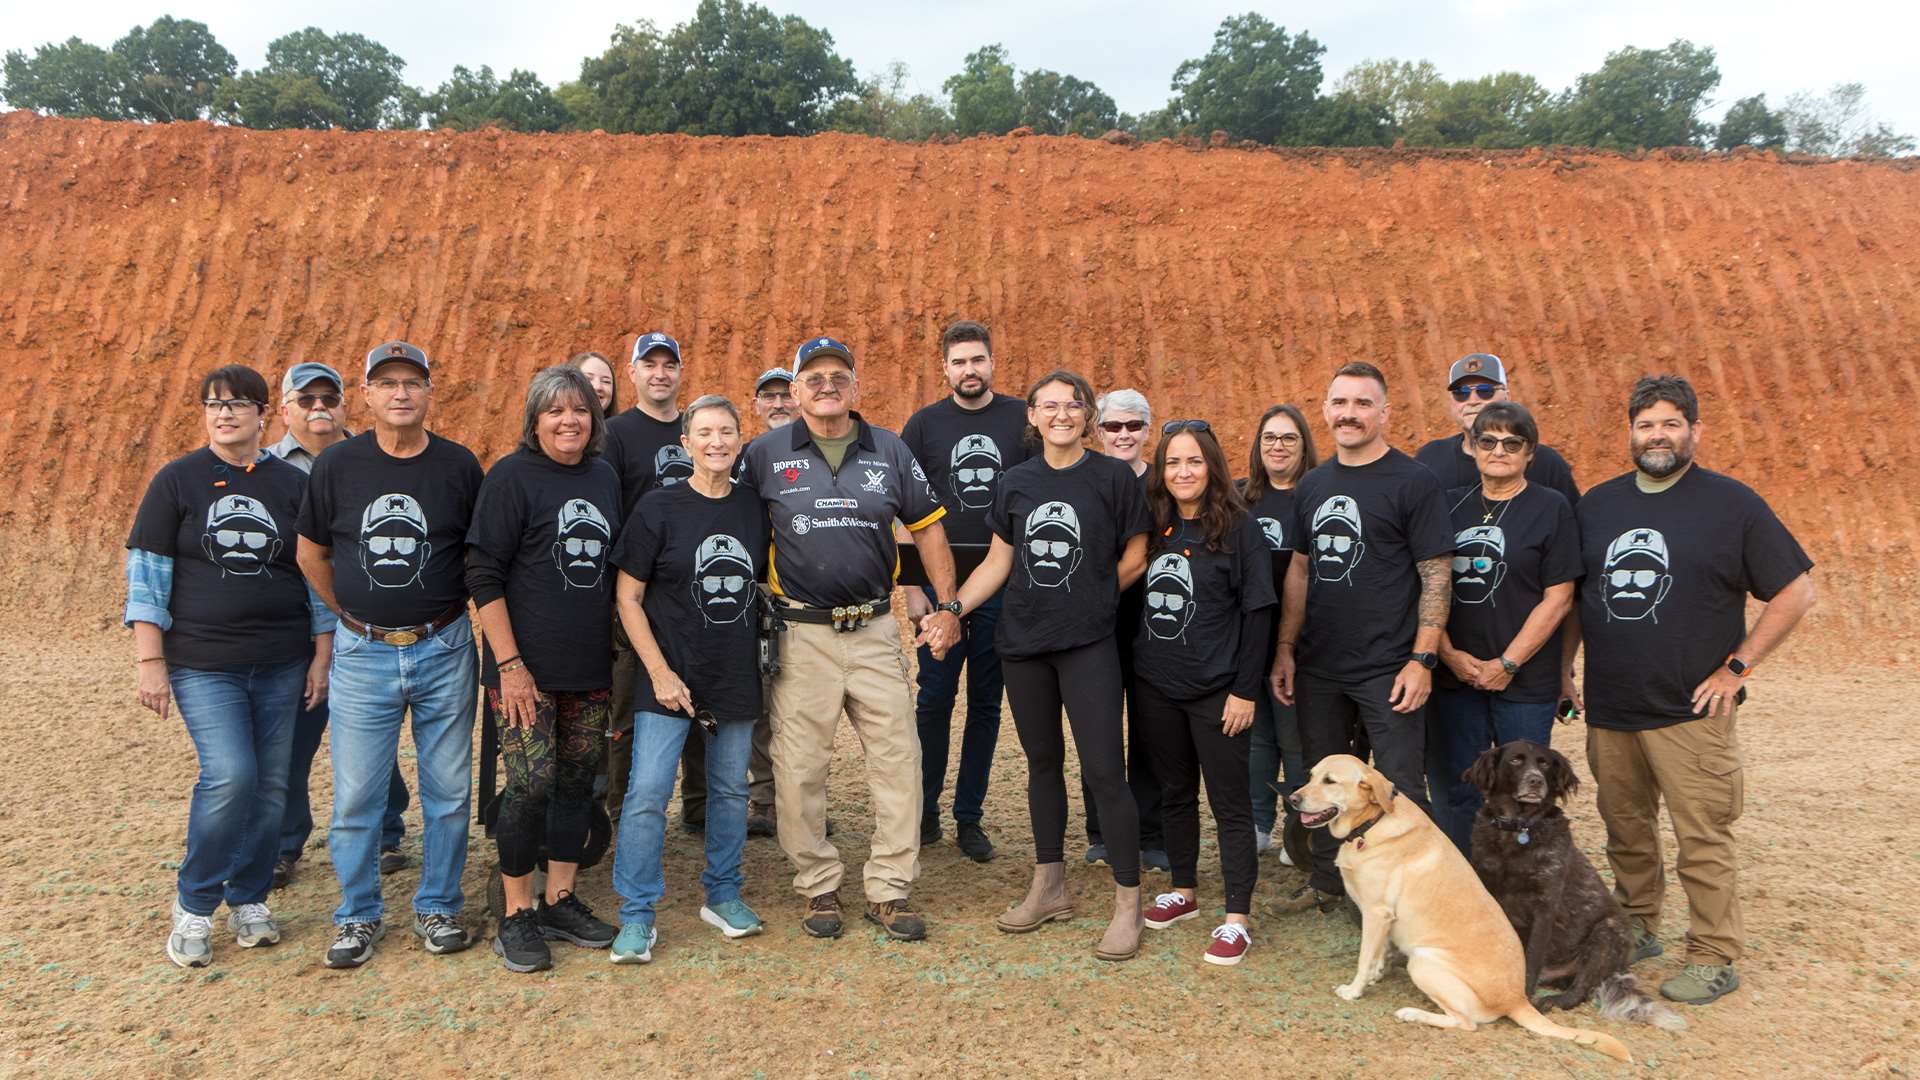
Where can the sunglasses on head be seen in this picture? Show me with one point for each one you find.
(1115, 427)
(1483, 391)
(1175, 427)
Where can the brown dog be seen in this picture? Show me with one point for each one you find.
(1414, 888)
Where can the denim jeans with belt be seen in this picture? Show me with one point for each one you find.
(241, 723)
(1462, 724)
(657, 743)
(375, 686)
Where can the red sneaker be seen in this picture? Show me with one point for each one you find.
(1230, 942)
(1169, 908)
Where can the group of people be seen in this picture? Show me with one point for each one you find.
(650, 580)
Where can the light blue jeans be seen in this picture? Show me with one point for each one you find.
(375, 686)
(657, 740)
(241, 723)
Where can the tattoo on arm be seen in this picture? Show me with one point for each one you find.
(1436, 591)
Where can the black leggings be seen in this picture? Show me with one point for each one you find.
(1185, 740)
(548, 802)
(1086, 681)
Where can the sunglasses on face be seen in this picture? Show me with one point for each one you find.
(730, 582)
(1512, 444)
(817, 382)
(1479, 564)
(1483, 391)
(974, 476)
(1175, 427)
(327, 401)
(1641, 579)
(1042, 548)
(1340, 544)
(234, 538)
(1115, 427)
(576, 545)
(1168, 601)
(399, 545)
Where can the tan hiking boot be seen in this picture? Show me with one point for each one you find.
(898, 919)
(1122, 939)
(1045, 901)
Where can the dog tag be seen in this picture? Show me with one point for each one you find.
(1523, 838)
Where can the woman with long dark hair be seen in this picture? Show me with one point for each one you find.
(1200, 663)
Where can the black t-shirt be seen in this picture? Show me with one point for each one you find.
(1068, 528)
(1189, 642)
(1505, 555)
(552, 527)
(1364, 529)
(699, 558)
(1666, 578)
(646, 453)
(1450, 462)
(238, 597)
(1133, 599)
(965, 453)
(1274, 512)
(397, 527)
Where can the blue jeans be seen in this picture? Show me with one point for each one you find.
(657, 742)
(296, 822)
(933, 712)
(375, 686)
(1462, 724)
(241, 723)
(1275, 754)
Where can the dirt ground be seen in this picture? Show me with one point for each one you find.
(87, 854)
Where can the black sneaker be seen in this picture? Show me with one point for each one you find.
(391, 861)
(520, 945)
(353, 943)
(760, 820)
(1096, 854)
(972, 840)
(823, 916)
(282, 873)
(929, 831)
(568, 919)
(694, 826)
(441, 934)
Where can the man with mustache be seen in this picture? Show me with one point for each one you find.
(1671, 551)
(315, 415)
(965, 441)
(773, 398)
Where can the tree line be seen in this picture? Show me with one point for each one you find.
(738, 68)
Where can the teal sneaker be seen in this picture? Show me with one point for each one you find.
(634, 944)
(733, 918)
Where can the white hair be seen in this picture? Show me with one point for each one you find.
(1128, 400)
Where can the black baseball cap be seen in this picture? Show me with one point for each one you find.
(397, 351)
(656, 339)
(1477, 366)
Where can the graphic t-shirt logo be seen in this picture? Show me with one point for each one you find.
(722, 580)
(1051, 547)
(241, 537)
(975, 468)
(1170, 603)
(1479, 564)
(1635, 579)
(580, 548)
(671, 465)
(1337, 547)
(393, 541)
(1276, 537)
(876, 481)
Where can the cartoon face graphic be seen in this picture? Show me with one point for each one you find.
(241, 538)
(975, 471)
(1169, 597)
(1634, 578)
(1337, 546)
(1479, 564)
(671, 465)
(1276, 537)
(1051, 546)
(722, 580)
(580, 549)
(393, 541)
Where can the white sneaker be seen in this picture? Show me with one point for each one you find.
(1277, 839)
(251, 925)
(1262, 843)
(190, 945)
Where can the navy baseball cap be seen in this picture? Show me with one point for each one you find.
(1477, 366)
(772, 374)
(814, 348)
(397, 351)
(646, 343)
(299, 376)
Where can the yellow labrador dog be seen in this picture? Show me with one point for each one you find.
(1415, 889)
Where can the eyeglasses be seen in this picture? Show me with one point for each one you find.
(1479, 564)
(228, 538)
(1291, 438)
(1042, 548)
(730, 582)
(981, 475)
(399, 545)
(1512, 444)
(775, 395)
(1643, 579)
(817, 382)
(1339, 544)
(1168, 601)
(1115, 427)
(388, 386)
(1483, 391)
(1055, 408)
(308, 401)
(1175, 427)
(575, 545)
(232, 405)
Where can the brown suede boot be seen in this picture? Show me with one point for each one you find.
(1122, 939)
(1045, 901)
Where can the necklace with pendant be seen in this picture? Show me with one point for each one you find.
(1489, 516)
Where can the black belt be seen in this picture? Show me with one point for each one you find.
(402, 635)
(848, 617)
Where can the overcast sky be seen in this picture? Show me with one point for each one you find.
(1128, 47)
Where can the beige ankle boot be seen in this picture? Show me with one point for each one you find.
(1122, 939)
(1045, 901)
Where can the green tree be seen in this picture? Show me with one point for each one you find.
(172, 69)
(316, 79)
(477, 99)
(885, 109)
(1406, 88)
(1056, 104)
(1257, 82)
(1839, 124)
(1640, 97)
(1502, 110)
(71, 78)
(1750, 123)
(582, 105)
(1347, 119)
(986, 100)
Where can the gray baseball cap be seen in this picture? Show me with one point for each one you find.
(400, 351)
(1477, 366)
(300, 375)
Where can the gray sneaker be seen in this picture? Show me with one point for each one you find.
(190, 945)
(1645, 945)
(1701, 984)
(252, 925)
(353, 943)
(441, 934)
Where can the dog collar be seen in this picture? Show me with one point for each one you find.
(1358, 836)
(1523, 826)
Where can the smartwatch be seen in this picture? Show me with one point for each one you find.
(951, 605)
(1739, 667)
(1426, 659)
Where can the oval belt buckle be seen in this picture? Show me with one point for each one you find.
(402, 638)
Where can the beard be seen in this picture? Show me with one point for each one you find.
(1661, 462)
(972, 389)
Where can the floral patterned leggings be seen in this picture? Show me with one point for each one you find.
(550, 768)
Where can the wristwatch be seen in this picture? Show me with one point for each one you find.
(1508, 666)
(1738, 666)
(1426, 659)
(951, 605)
